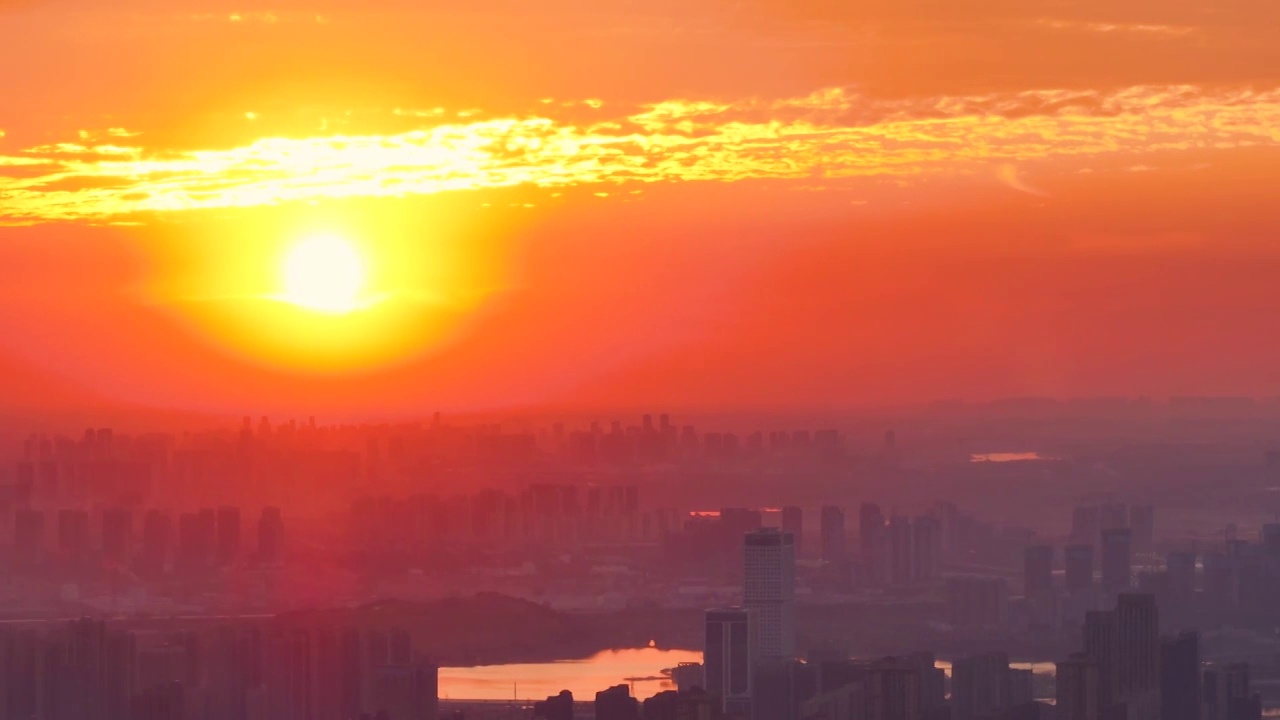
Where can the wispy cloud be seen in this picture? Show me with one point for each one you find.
(820, 138)
(1117, 28)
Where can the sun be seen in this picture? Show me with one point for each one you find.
(325, 274)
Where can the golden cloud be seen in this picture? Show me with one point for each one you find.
(818, 138)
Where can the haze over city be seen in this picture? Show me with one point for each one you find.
(703, 360)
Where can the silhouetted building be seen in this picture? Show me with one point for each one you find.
(73, 532)
(728, 656)
(1142, 523)
(1102, 648)
(1116, 559)
(616, 703)
(271, 536)
(1180, 677)
(832, 532)
(1228, 695)
(228, 535)
(157, 534)
(117, 535)
(769, 592)
(28, 535)
(976, 602)
(1078, 560)
(162, 702)
(1077, 688)
(793, 522)
(1138, 659)
(556, 707)
(1037, 572)
(407, 691)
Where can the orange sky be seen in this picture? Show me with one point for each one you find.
(730, 202)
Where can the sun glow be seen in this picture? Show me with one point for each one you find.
(324, 274)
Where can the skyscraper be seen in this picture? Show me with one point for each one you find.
(727, 656)
(978, 686)
(871, 539)
(228, 535)
(1078, 560)
(926, 547)
(833, 534)
(271, 536)
(73, 532)
(769, 591)
(901, 551)
(1138, 657)
(157, 534)
(1116, 559)
(1101, 647)
(1076, 696)
(1180, 677)
(117, 534)
(1142, 521)
(793, 522)
(1037, 572)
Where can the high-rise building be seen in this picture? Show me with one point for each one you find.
(1142, 521)
(1037, 575)
(555, 707)
(228, 535)
(1180, 677)
(195, 544)
(769, 591)
(926, 545)
(616, 703)
(1102, 648)
(157, 534)
(1181, 567)
(871, 540)
(271, 536)
(407, 690)
(1085, 523)
(28, 535)
(1078, 560)
(901, 551)
(73, 532)
(979, 686)
(1138, 657)
(160, 702)
(793, 522)
(1076, 696)
(833, 534)
(728, 657)
(117, 535)
(1116, 559)
(976, 602)
(892, 690)
(1228, 695)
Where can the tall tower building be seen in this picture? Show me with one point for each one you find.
(1078, 560)
(1101, 647)
(901, 551)
(1076, 696)
(793, 522)
(926, 545)
(1117, 551)
(271, 536)
(117, 534)
(1142, 521)
(1138, 657)
(769, 591)
(1180, 696)
(1037, 573)
(833, 534)
(228, 546)
(727, 656)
